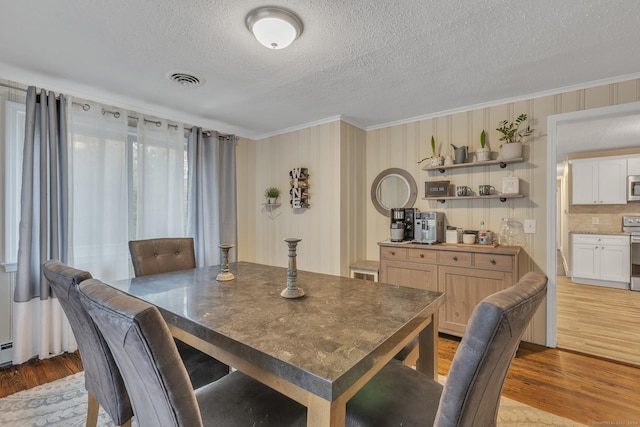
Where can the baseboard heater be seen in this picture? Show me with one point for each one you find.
(5, 353)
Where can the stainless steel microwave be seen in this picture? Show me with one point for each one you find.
(633, 188)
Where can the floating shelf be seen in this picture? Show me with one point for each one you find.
(501, 197)
(503, 164)
(268, 209)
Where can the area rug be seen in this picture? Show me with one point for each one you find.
(64, 403)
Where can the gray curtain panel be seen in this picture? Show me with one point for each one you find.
(212, 207)
(44, 217)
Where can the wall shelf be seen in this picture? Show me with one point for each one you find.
(268, 209)
(501, 197)
(503, 164)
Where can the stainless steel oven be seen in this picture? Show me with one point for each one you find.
(631, 224)
(633, 188)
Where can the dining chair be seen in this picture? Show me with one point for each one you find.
(399, 395)
(157, 380)
(102, 378)
(164, 255)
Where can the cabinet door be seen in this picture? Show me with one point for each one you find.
(586, 261)
(464, 289)
(615, 263)
(412, 275)
(584, 179)
(612, 181)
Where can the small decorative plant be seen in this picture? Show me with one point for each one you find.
(436, 160)
(483, 154)
(511, 130)
(272, 194)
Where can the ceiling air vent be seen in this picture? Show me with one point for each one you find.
(184, 78)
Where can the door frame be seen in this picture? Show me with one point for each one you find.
(552, 211)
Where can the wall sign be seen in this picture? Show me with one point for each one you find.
(299, 188)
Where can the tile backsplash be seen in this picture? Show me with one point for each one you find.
(609, 217)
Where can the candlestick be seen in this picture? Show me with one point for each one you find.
(292, 291)
(225, 275)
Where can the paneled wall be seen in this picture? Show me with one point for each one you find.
(404, 145)
(331, 230)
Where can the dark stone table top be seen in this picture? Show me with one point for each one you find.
(322, 342)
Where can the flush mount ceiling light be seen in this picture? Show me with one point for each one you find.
(274, 27)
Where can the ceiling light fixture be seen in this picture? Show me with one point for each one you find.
(274, 27)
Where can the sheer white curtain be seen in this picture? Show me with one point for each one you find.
(100, 203)
(159, 194)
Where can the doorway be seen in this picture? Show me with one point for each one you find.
(567, 133)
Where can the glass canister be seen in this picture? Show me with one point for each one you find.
(504, 236)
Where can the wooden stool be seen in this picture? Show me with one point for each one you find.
(367, 270)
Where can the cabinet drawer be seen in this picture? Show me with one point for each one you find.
(393, 253)
(600, 239)
(494, 262)
(423, 255)
(462, 259)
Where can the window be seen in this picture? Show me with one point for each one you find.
(14, 142)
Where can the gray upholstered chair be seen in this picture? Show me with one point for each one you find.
(163, 255)
(102, 378)
(399, 395)
(157, 381)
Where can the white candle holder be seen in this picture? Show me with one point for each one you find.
(292, 291)
(225, 274)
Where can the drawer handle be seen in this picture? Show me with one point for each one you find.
(421, 255)
(492, 261)
(455, 258)
(393, 252)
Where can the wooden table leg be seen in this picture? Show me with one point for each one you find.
(428, 354)
(322, 413)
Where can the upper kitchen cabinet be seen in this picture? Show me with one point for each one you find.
(599, 181)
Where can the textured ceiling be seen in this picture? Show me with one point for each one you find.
(373, 62)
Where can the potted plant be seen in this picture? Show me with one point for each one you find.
(271, 193)
(512, 136)
(483, 153)
(436, 160)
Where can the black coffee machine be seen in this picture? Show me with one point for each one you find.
(402, 224)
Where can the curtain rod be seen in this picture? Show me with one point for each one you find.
(116, 114)
(85, 107)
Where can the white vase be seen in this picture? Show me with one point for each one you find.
(437, 161)
(512, 150)
(483, 154)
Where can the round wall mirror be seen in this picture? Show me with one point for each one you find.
(393, 188)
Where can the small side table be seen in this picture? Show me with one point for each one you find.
(365, 269)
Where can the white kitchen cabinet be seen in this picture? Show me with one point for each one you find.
(633, 165)
(599, 181)
(603, 260)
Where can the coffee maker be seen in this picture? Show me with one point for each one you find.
(402, 224)
(429, 227)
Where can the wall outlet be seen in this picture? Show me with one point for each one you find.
(595, 220)
(530, 226)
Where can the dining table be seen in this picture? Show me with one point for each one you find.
(319, 349)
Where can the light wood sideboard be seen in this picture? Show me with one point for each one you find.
(465, 273)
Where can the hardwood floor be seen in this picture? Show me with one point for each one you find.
(601, 321)
(585, 389)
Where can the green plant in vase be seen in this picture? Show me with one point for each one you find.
(436, 159)
(271, 194)
(512, 136)
(483, 153)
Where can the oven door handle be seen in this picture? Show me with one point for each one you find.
(635, 239)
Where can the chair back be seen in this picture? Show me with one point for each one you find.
(163, 255)
(141, 343)
(471, 394)
(101, 374)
